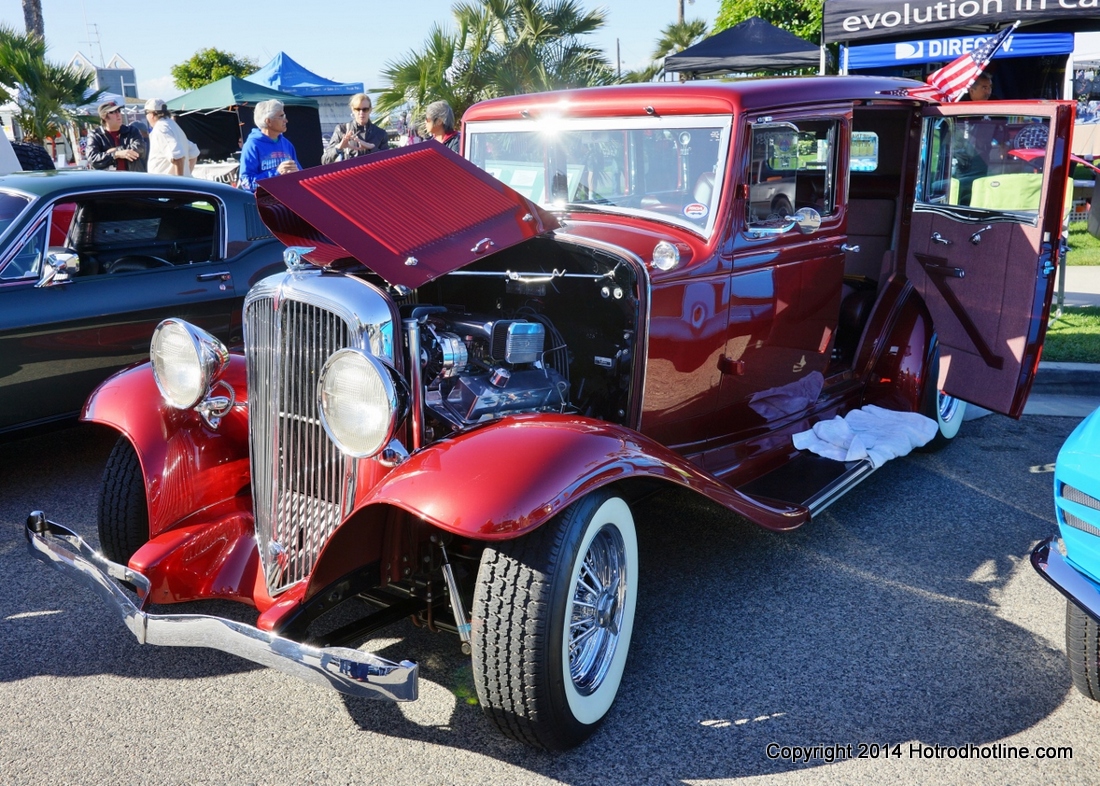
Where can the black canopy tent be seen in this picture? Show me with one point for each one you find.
(747, 47)
(218, 118)
(896, 20)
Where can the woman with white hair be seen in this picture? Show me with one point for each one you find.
(267, 152)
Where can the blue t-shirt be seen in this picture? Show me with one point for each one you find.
(261, 156)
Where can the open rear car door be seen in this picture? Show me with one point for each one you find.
(987, 222)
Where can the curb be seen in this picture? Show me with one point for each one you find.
(1068, 379)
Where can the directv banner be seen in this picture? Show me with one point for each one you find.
(935, 50)
(853, 20)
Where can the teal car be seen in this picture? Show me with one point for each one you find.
(1077, 573)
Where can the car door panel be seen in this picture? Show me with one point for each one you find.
(60, 340)
(985, 268)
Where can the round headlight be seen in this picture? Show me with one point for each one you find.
(665, 256)
(186, 362)
(360, 402)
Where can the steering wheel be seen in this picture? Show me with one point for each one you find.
(135, 262)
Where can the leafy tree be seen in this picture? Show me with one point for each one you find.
(499, 47)
(45, 92)
(801, 17)
(210, 65)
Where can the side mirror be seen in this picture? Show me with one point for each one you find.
(806, 219)
(61, 266)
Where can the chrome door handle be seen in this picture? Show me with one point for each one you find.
(976, 238)
(852, 249)
(222, 275)
(938, 238)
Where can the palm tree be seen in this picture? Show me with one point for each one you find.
(499, 47)
(46, 92)
(32, 18)
(676, 37)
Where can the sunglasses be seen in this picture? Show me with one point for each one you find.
(115, 112)
(360, 109)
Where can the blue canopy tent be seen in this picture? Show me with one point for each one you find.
(284, 74)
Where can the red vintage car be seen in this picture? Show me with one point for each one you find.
(472, 369)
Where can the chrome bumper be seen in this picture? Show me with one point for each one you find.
(1076, 586)
(347, 670)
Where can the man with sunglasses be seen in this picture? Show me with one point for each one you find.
(115, 145)
(358, 137)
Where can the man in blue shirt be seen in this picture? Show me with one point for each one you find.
(267, 152)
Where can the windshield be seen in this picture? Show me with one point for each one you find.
(668, 168)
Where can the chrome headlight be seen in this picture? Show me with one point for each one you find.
(665, 256)
(187, 361)
(361, 402)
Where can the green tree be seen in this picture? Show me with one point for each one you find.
(499, 47)
(801, 17)
(676, 37)
(46, 93)
(210, 65)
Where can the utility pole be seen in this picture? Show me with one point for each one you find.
(680, 15)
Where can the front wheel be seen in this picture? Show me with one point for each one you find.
(123, 511)
(552, 618)
(945, 409)
(1083, 650)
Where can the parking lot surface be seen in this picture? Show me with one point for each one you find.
(904, 624)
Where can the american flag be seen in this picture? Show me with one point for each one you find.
(952, 81)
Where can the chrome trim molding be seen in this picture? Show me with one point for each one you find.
(346, 670)
(1079, 588)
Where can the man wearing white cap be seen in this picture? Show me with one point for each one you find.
(170, 151)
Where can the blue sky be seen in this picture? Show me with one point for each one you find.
(347, 42)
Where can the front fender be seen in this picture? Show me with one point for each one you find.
(507, 478)
(188, 467)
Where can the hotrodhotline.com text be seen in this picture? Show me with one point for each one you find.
(912, 750)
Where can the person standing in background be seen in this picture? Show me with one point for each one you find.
(358, 137)
(115, 145)
(170, 151)
(267, 152)
(439, 123)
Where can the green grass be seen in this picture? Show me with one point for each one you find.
(1084, 249)
(1074, 337)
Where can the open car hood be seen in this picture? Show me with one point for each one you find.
(410, 215)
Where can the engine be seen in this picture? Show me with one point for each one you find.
(478, 368)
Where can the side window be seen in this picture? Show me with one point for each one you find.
(792, 165)
(143, 232)
(27, 261)
(989, 162)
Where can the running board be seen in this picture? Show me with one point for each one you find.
(810, 481)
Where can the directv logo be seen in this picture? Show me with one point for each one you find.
(909, 51)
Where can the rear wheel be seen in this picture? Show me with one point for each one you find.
(1083, 650)
(123, 512)
(553, 616)
(946, 410)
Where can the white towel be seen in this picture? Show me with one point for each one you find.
(872, 432)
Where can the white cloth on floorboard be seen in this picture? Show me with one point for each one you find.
(872, 432)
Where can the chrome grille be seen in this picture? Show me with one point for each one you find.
(300, 480)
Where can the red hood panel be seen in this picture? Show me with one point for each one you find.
(410, 215)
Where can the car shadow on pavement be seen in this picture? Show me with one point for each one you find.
(880, 622)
